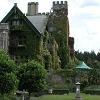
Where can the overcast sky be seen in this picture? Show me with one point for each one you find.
(84, 18)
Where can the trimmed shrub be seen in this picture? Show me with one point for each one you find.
(60, 91)
(92, 91)
(95, 89)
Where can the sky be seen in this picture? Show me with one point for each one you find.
(84, 19)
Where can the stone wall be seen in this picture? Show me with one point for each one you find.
(4, 30)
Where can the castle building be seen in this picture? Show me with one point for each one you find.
(43, 37)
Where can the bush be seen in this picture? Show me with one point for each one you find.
(92, 91)
(60, 91)
(8, 83)
(8, 79)
(70, 87)
(95, 89)
(32, 77)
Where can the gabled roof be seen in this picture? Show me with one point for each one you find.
(16, 9)
(39, 21)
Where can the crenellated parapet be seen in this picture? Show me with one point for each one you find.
(60, 6)
(44, 13)
(59, 3)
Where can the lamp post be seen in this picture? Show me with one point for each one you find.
(78, 97)
(81, 67)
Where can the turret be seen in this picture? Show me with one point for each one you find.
(59, 5)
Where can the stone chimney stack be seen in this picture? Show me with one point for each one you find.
(32, 8)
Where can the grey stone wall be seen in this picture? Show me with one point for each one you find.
(4, 38)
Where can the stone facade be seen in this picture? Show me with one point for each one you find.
(4, 38)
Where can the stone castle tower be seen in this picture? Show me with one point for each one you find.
(58, 26)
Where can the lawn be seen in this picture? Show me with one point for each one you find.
(70, 96)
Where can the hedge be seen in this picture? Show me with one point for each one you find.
(92, 91)
(60, 91)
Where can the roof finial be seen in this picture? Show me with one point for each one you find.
(15, 4)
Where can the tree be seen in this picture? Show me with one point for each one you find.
(8, 80)
(94, 74)
(98, 56)
(32, 77)
(92, 60)
(7, 83)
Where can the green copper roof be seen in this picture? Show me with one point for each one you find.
(82, 65)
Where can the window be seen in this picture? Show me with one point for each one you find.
(3, 40)
(21, 41)
(15, 22)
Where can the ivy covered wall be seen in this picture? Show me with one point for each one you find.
(50, 48)
(24, 39)
(58, 25)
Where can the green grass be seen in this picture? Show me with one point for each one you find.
(70, 96)
(7, 97)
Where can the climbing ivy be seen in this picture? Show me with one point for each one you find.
(61, 35)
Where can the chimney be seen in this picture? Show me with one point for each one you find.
(32, 8)
(15, 4)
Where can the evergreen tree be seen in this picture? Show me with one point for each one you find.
(8, 80)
